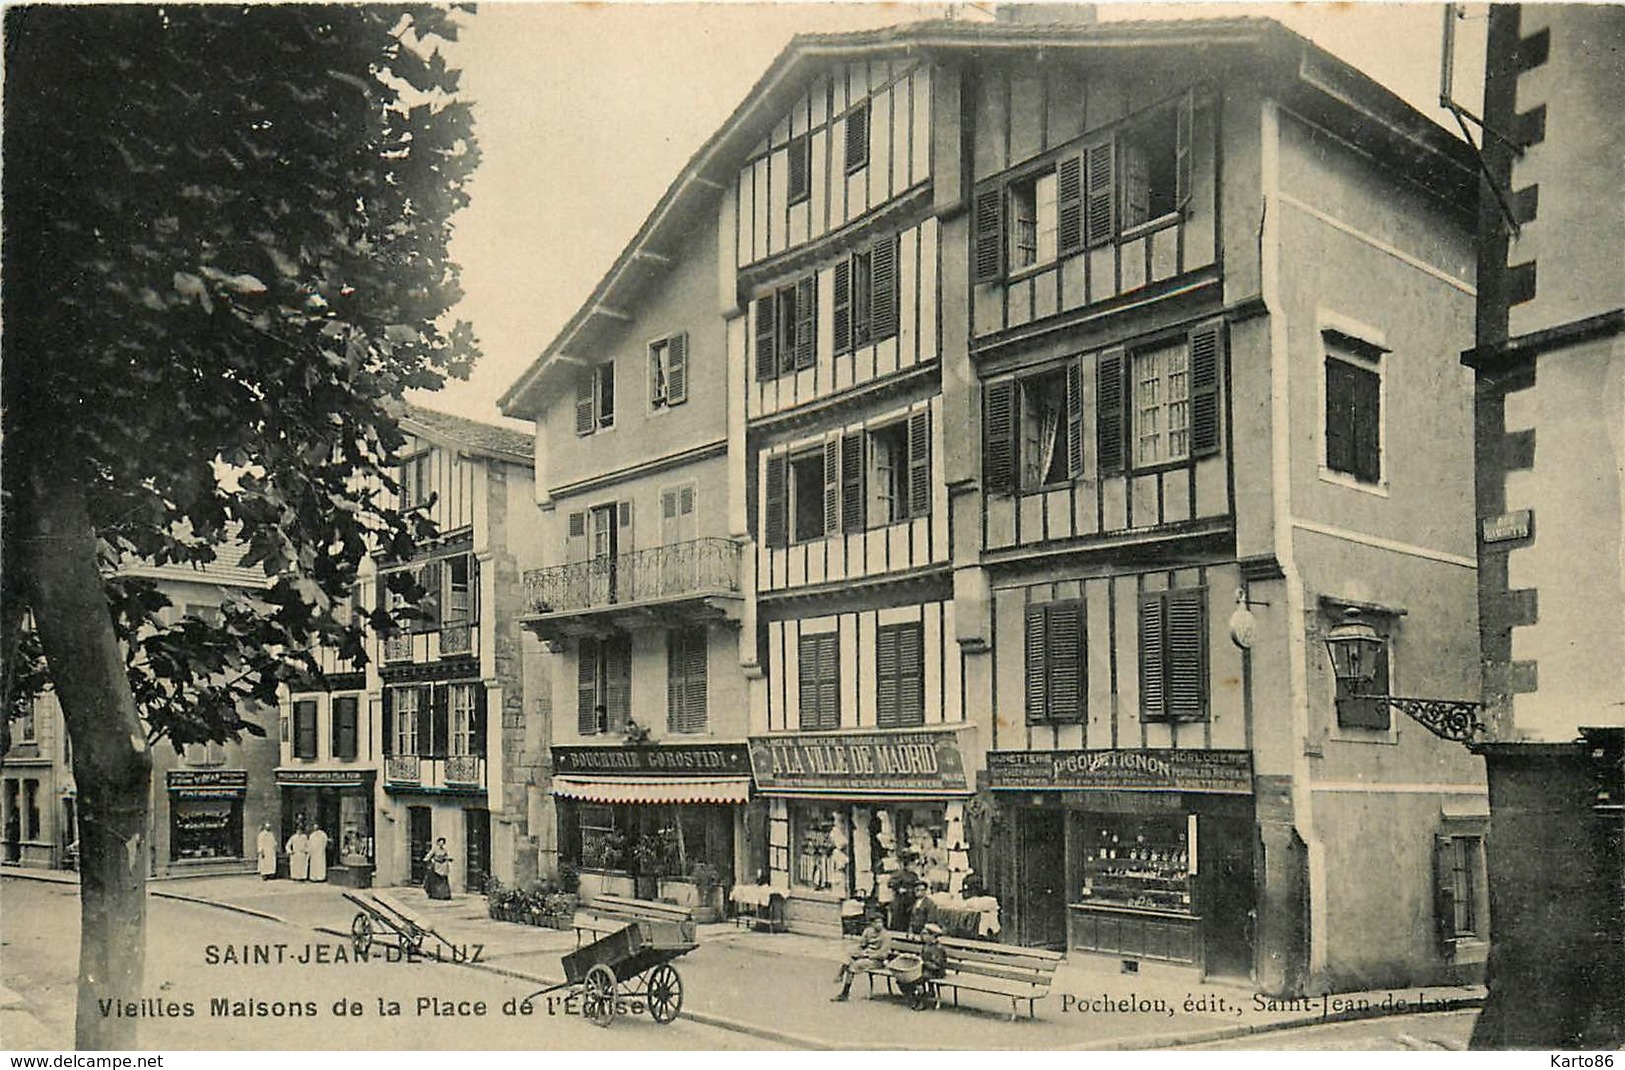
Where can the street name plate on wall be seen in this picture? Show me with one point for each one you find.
(870, 762)
(1507, 526)
(1223, 771)
(665, 759)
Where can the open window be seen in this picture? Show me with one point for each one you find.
(1151, 161)
(595, 399)
(668, 371)
(1033, 430)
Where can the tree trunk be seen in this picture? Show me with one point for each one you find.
(111, 764)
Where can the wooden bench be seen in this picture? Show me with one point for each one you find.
(605, 914)
(1016, 973)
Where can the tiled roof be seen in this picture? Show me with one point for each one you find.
(482, 437)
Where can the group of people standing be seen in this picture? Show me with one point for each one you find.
(307, 852)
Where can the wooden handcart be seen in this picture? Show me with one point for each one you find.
(382, 918)
(627, 964)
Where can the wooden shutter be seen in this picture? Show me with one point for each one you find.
(1186, 645)
(1110, 436)
(989, 230)
(1037, 664)
(587, 686)
(911, 675)
(1074, 418)
(1182, 151)
(623, 533)
(775, 507)
(883, 288)
(1367, 425)
(344, 727)
(618, 681)
(584, 404)
(695, 680)
(919, 463)
(814, 670)
(1066, 654)
(807, 322)
(1444, 892)
(886, 677)
(999, 441)
(675, 668)
(843, 306)
(1069, 205)
(799, 173)
(430, 577)
(853, 501)
(304, 729)
(575, 541)
(677, 369)
(440, 723)
(1340, 416)
(857, 137)
(388, 725)
(1207, 356)
(767, 363)
(1100, 215)
(1153, 658)
(832, 484)
(473, 589)
(476, 721)
(829, 680)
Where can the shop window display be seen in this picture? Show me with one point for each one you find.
(1137, 861)
(206, 828)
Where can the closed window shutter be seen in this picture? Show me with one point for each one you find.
(807, 322)
(775, 519)
(999, 445)
(767, 363)
(989, 229)
(883, 288)
(584, 414)
(1182, 150)
(677, 369)
(1074, 418)
(575, 542)
(442, 721)
(344, 727)
(843, 306)
(1069, 205)
(1339, 416)
(1207, 355)
(618, 681)
(694, 688)
(473, 589)
(857, 137)
(623, 536)
(829, 681)
(1109, 430)
(1367, 425)
(852, 482)
(862, 298)
(911, 675)
(1100, 216)
(919, 463)
(1066, 654)
(587, 686)
(799, 172)
(675, 668)
(476, 721)
(1186, 641)
(1037, 664)
(886, 704)
(388, 725)
(807, 669)
(1444, 892)
(1153, 658)
(304, 729)
(832, 484)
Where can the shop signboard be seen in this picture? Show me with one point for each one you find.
(871, 763)
(666, 759)
(1228, 772)
(208, 783)
(326, 778)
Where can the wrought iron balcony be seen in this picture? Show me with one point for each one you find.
(688, 578)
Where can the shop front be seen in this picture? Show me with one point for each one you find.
(656, 821)
(340, 801)
(206, 814)
(1137, 854)
(850, 812)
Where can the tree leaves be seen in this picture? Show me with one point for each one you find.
(226, 251)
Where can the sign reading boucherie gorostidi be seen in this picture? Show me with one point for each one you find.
(1223, 771)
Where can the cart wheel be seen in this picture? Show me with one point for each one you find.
(361, 933)
(598, 995)
(665, 993)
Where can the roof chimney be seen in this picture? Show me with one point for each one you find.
(1042, 13)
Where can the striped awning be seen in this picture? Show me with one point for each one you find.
(653, 789)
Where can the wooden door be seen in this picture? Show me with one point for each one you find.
(419, 837)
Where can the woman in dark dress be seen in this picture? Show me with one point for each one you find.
(437, 879)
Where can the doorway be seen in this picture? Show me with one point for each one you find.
(477, 845)
(1228, 895)
(419, 838)
(1041, 878)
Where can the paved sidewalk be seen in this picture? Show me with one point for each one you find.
(778, 985)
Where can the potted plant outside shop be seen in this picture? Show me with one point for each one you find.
(700, 890)
(603, 863)
(651, 857)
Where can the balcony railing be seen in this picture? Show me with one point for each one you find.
(415, 773)
(462, 769)
(663, 573)
(402, 768)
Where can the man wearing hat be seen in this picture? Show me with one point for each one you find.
(933, 963)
